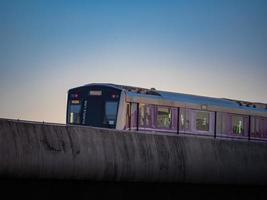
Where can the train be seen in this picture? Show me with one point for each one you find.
(129, 108)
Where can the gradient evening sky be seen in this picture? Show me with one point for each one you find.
(206, 47)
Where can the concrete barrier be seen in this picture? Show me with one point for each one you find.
(50, 151)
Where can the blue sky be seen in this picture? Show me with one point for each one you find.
(210, 47)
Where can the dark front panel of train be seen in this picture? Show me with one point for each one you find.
(93, 106)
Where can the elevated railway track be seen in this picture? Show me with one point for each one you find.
(31, 150)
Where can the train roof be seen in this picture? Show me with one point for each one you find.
(188, 98)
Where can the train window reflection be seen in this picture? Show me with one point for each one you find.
(164, 117)
(184, 119)
(144, 115)
(238, 124)
(258, 127)
(74, 116)
(111, 112)
(133, 116)
(202, 121)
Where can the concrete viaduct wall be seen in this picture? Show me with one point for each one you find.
(36, 150)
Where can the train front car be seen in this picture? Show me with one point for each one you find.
(94, 105)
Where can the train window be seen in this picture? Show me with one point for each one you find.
(184, 119)
(174, 119)
(232, 125)
(133, 116)
(74, 114)
(202, 121)
(237, 124)
(222, 123)
(128, 116)
(148, 115)
(255, 127)
(111, 112)
(144, 115)
(163, 117)
(258, 127)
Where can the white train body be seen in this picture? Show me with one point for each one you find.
(146, 110)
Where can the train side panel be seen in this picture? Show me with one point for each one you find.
(122, 111)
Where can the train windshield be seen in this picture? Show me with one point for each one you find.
(111, 108)
(93, 106)
(75, 114)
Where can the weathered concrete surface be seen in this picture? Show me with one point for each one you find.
(32, 150)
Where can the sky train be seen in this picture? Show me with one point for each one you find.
(149, 110)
